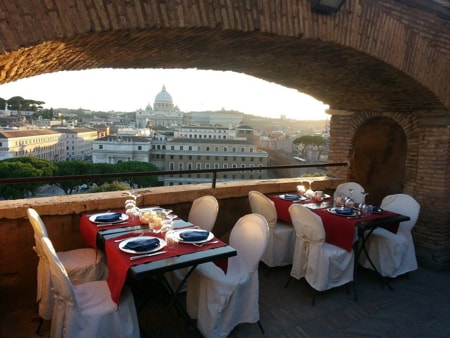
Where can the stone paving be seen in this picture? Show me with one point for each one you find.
(418, 306)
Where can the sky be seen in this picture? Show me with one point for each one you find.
(129, 90)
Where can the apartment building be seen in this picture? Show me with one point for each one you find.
(114, 149)
(45, 144)
(198, 154)
(78, 142)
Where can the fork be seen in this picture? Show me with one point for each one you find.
(201, 244)
(122, 239)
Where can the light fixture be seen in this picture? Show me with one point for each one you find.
(326, 6)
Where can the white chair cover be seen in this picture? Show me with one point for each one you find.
(203, 213)
(394, 254)
(221, 301)
(87, 310)
(280, 247)
(323, 265)
(357, 193)
(82, 265)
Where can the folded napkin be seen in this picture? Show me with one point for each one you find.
(194, 236)
(109, 217)
(291, 197)
(142, 245)
(376, 209)
(344, 211)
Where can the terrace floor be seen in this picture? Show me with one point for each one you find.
(419, 306)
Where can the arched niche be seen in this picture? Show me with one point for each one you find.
(378, 157)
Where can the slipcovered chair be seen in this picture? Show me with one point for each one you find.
(394, 254)
(323, 265)
(280, 247)
(82, 265)
(87, 310)
(222, 301)
(203, 213)
(343, 190)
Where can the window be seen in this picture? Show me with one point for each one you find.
(100, 146)
(139, 147)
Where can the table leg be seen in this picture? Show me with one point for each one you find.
(174, 301)
(363, 238)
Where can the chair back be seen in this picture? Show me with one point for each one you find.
(261, 204)
(61, 281)
(44, 293)
(39, 228)
(249, 237)
(402, 204)
(308, 226)
(203, 212)
(357, 194)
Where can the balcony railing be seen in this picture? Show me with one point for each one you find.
(214, 172)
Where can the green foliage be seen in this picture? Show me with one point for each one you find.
(310, 140)
(68, 168)
(23, 167)
(33, 167)
(305, 142)
(20, 104)
(136, 166)
(113, 186)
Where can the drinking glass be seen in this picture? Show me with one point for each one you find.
(172, 239)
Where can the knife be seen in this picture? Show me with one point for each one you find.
(132, 258)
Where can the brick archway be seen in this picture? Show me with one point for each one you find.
(371, 57)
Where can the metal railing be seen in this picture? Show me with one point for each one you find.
(214, 172)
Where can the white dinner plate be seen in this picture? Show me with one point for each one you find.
(162, 244)
(299, 198)
(122, 218)
(352, 214)
(210, 236)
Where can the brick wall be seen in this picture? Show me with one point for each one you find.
(427, 174)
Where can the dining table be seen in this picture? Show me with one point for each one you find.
(108, 236)
(349, 232)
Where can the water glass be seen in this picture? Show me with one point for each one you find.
(172, 239)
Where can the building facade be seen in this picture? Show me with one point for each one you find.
(78, 142)
(114, 149)
(45, 144)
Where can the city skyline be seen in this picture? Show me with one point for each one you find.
(130, 90)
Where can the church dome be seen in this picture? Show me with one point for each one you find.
(163, 97)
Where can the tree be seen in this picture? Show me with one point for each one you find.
(67, 168)
(113, 186)
(308, 142)
(136, 166)
(23, 167)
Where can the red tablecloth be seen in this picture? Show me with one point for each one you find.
(119, 262)
(339, 230)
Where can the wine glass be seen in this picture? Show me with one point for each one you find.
(363, 207)
(349, 202)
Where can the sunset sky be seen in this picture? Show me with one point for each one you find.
(191, 90)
